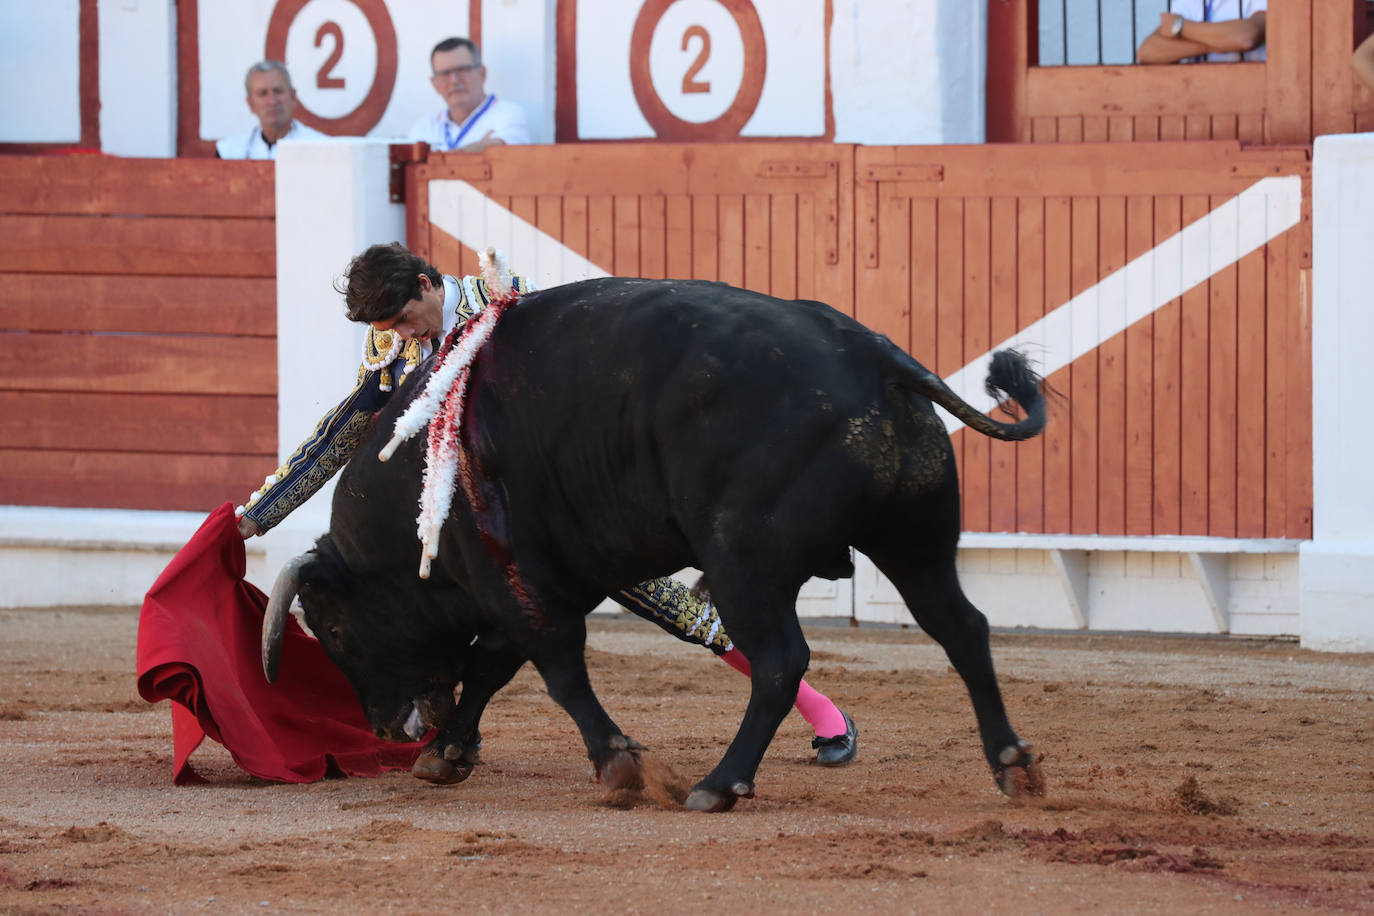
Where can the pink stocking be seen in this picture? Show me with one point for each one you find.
(821, 714)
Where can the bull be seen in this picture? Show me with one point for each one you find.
(620, 429)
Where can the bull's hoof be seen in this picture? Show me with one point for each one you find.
(1018, 771)
(624, 743)
(430, 767)
(622, 771)
(702, 799)
(466, 751)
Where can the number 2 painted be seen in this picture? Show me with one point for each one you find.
(322, 79)
(689, 82)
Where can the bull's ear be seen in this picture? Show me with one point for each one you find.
(284, 592)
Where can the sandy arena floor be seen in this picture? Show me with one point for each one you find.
(1184, 775)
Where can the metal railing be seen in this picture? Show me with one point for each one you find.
(1095, 32)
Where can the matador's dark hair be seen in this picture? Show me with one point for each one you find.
(378, 283)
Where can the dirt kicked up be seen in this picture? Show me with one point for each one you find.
(1182, 775)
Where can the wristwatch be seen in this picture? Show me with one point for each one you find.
(1177, 27)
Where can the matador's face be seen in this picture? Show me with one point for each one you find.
(422, 318)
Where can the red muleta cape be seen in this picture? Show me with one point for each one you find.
(199, 639)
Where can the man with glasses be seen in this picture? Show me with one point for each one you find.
(471, 120)
(1212, 30)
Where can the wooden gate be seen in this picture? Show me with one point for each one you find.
(138, 307)
(1194, 420)
(770, 217)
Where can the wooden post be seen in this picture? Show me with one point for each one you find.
(1010, 54)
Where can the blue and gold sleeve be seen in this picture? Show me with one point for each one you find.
(335, 438)
(671, 605)
(387, 361)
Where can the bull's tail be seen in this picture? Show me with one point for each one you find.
(1009, 373)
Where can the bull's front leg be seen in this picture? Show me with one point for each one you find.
(614, 756)
(452, 753)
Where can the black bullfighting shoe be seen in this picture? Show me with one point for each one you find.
(839, 750)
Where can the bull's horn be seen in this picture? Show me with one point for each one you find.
(278, 608)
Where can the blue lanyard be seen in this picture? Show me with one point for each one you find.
(451, 144)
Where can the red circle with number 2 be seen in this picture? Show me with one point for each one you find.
(668, 126)
(363, 118)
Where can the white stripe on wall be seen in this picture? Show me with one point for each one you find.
(1242, 224)
(479, 223)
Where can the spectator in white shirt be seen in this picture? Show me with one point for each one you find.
(273, 102)
(1213, 30)
(471, 120)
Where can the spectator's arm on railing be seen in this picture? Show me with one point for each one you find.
(1362, 62)
(1178, 39)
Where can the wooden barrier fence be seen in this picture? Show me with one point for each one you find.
(138, 320)
(137, 306)
(1193, 421)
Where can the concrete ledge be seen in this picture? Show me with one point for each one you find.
(55, 557)
(1163, 585)
(96, 529)
(1337, 611)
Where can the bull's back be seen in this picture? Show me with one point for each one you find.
(656, 409)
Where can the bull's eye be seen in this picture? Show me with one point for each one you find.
(334, 632)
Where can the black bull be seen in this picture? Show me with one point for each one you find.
(619, 430)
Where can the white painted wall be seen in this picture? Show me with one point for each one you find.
(793, 100)
(1338, 563)
(53, 557)
(138, 77)
(909, 72)
(519, 47)
(901, 72)
(332, 202)
(39, 45)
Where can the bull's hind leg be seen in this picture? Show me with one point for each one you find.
(762, 621)
(938, 604)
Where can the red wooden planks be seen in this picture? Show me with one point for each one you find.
(1194, 465)
(1030, 307)
(1166, 408)
(186, 423)
(1084, 388)
(1111, 379)
(163, 305)
(171, 246)
(1139, 383)
(127, 480)
(199, 188)
(139, 363)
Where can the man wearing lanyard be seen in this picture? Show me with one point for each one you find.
(273, 102)
(471, 120)
(1212, 30)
